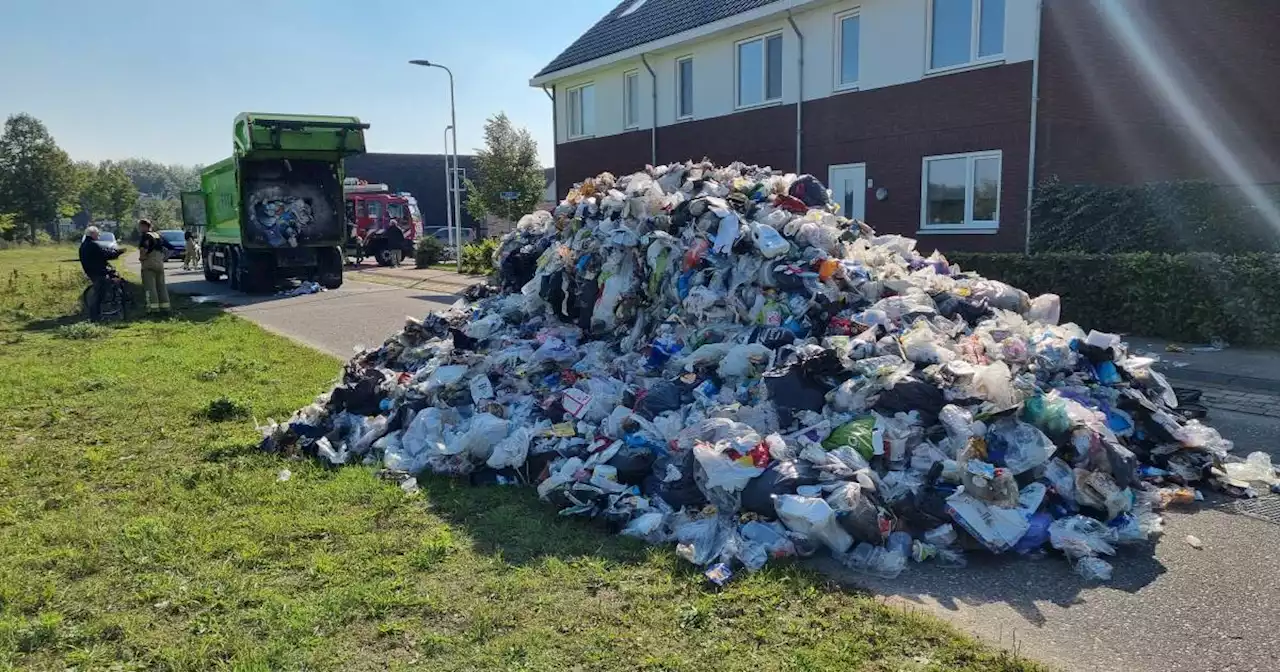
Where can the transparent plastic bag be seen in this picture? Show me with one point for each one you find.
(1024, 446)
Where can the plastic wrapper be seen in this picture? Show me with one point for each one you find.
(1023, 447)
(814, 518)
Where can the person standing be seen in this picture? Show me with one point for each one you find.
(95, 262)
(191, 257)
(153, 249)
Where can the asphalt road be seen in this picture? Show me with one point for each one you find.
(1169, 608)
(337, 322)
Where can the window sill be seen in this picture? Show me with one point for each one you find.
(958, 230)
(753, 106)
(572, 138)
(965, 67)
(681, 120)
(631, 128)
(845, 88)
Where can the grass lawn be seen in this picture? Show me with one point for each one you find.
(137, 534)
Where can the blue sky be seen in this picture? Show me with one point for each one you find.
(164, 79)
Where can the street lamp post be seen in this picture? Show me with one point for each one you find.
(448, 202)
(453, 121)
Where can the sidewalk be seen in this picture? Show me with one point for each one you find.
(1245, 380)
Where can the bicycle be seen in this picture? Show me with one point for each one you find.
(115, 301)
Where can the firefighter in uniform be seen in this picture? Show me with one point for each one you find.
(153, 249)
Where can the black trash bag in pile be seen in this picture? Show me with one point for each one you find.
(360, 394)
(781, 478)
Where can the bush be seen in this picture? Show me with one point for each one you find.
(1169, 217)
(427, 252)
(1184, 297)
(477, 257)
(224, 409)
(80, 331)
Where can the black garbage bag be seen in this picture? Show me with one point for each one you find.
(634, 464)
(791, 391)
(1123, 463)
(362, 395)
(588, 290)
(659, 398)
(912, 394)
(808, 189)
(681, 492)
(783, 478)
(518, 268)
(951, 307)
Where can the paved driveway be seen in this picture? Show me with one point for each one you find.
(336, 322)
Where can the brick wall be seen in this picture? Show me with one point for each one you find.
(1102, 122)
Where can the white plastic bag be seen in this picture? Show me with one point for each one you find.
(484, 432)
(511, 451)
(723, 472)
(813, 518)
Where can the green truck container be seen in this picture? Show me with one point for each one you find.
(274, 209)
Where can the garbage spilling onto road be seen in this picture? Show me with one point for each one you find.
(715, 358)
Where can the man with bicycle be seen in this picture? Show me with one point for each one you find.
(96, 264)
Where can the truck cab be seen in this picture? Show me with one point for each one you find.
(370, 209)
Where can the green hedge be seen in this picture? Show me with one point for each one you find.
(1169, 217)
(1183, 297)
(477, 257)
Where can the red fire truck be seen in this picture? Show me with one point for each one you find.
(370, 210)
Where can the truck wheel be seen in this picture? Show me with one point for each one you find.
(233, 269)
(210, 274)
(385, 256)
(329, 266)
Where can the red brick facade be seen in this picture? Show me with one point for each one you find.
(1101, 121)
(890, 129)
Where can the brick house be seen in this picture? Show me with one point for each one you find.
(931, 118)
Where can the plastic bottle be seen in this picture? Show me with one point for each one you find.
(770, 243)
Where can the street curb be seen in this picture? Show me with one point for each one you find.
(1222, 379)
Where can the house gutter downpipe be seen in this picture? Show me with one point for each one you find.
(653, 134)
(800, 96)
(1035, 125)
(555, 141)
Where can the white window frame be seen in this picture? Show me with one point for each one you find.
(839, 51)
(570, 112)
(680, 88)
(968, 225)
(630, 124)
(975, 41)
(764, 71)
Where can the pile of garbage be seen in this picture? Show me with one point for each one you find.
(713, 356)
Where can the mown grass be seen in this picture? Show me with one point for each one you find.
(136, 533)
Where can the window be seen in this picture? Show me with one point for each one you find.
(961, 192)
(395, 211)
(631, 99)
(375, 210)
(848, 34)
(760, 70)
(965, 31)
(582, 111)
(684, 88)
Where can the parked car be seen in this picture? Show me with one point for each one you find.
(442, 233)
(178, 241)
(107, 241)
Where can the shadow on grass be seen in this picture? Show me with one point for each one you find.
(184, 310)
(510, 521)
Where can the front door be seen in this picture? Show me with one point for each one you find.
(848, 185)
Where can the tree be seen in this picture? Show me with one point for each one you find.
(160, 180)
(112, 194)
(507, 164)
(164, 213)
(36, 176)
(77, 199)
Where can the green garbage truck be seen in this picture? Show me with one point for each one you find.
(274, 209)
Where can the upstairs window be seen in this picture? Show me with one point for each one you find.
(962, 32)
(848, 35)
(684, 88)
(759, 65)
(582, 111)
(631, 99)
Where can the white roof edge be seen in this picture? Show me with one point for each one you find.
(700, 32)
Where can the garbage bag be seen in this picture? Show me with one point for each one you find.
(782, 478)
(813, 518)
(722, 469)
(1021, 446)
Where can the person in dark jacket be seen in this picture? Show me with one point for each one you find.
(96, 264)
